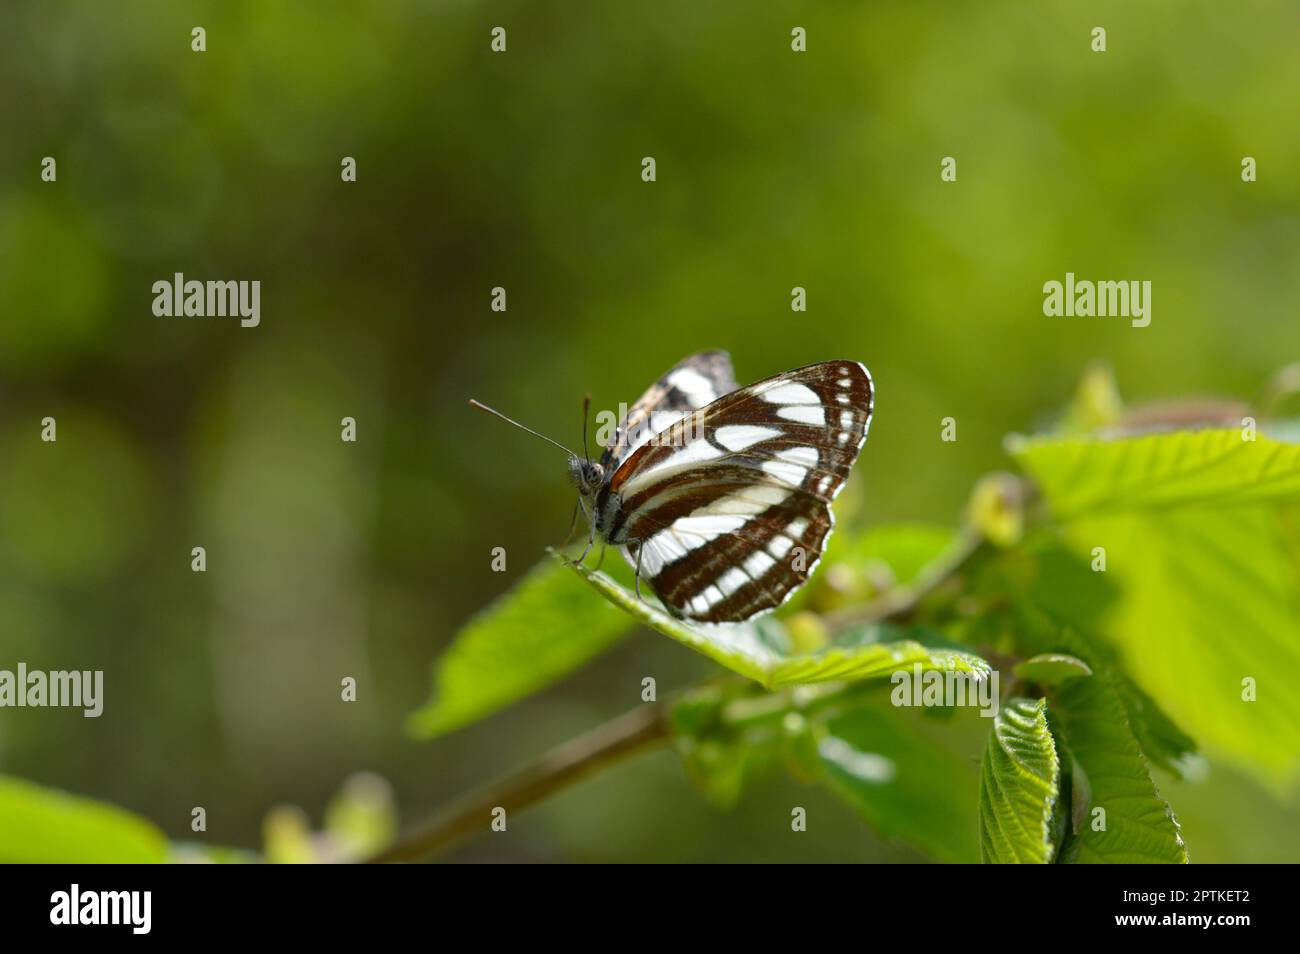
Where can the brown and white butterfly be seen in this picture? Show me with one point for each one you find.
(721, 496)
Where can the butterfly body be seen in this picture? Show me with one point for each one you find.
(720, 496)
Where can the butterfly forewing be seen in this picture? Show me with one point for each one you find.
(690, 385)
(728, 510)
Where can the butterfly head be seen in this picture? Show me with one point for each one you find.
(586, 475)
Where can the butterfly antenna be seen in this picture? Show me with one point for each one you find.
(484, 407)
(586, 407)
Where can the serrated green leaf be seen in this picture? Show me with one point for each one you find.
(872, 661)
(746, 648)
(1051, 669)
(1213, 467)
(1162, 742)
(1211, 599)
(44, 826)
(544, 628)
(1140, 827)
(1019, 786)
(1201, 533)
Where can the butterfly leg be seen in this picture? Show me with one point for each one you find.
(639, 550)
(591, 539)
(601, 558)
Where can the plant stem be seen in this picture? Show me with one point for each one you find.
(635, 731)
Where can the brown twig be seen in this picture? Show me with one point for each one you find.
(635, 731)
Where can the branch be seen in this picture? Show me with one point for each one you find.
(635, 731)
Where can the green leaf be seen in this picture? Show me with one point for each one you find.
(1159, 471)
(1051, 669)
(44, 826)
(1140, 828)
(1201, 533)
(1052, 602)
(884, 762)
(1211, 599)
(755, 649)
(537, 633)
(1019, 788)
(871, 661)
(1163, 743)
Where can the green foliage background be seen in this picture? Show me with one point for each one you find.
(522, 170)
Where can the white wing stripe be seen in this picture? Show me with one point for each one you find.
(748, 502)
(694, 385)
(791, 393)
(792, 465)
(758, 563)
(732, 580)
(709, 526)
(780, 546)
(804, 455)
(789, 473)
(803, 414)
(737, 437)
(696, 452)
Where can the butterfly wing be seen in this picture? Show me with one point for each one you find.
(688, 386)
(728, 511)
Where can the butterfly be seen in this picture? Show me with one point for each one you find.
(720, 496)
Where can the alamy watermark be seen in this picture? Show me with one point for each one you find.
(1086, 299)
(660, 429)
(75, 906)
(938, 688)
(215, 299)
(74, 689)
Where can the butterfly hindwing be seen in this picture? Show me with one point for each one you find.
(728, 510)
(691, 384)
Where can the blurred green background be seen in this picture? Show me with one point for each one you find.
(522, 170)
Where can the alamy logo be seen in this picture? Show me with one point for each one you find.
(196, 299)
(102, 907)
(655, 430)
(941, 688)
(58, 688)
(1084, 299)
